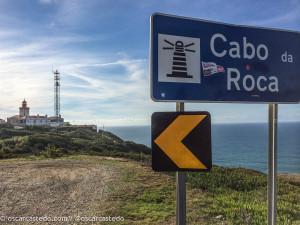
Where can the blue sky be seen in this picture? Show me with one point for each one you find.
(101, 49)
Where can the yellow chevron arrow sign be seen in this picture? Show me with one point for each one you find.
(170, 141)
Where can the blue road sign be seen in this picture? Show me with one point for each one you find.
(202, 61)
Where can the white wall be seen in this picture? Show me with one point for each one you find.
(37, 122)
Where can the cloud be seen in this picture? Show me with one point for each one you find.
(95, 89)
(281, 15)
(102, 83)
(281, 20)
(86, 86)
(47, 2)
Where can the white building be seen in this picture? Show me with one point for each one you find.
(37, 120)
(25, 119)
(53, 121)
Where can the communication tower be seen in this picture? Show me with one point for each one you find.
(56, 93)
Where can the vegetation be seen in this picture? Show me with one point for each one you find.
(240, 196)
(51, 143)
(223, 196)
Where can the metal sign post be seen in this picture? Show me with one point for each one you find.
(272, 165)
(180, 186)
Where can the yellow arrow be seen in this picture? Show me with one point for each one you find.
(170, 141)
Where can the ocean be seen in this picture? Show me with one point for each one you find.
(238, 145)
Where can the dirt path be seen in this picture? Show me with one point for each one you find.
(53, 188)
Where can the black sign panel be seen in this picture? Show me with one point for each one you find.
(181, 141)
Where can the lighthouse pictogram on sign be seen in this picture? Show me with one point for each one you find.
(178, 59)
(179, 68)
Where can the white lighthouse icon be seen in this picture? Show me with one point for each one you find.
(178, 59)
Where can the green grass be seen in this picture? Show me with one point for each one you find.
(212, 198)
(239, 196)
(140, 196)
(146, 197)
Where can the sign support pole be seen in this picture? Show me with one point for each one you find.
(180, 186)
(272, 165)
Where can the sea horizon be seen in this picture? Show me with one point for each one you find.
(213, 123)
(237, 144)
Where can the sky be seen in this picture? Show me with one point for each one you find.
(101, 48)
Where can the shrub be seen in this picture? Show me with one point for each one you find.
(52, 142)
(52, 152)
(223, 178)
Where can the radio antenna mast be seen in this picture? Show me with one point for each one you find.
(56, 94)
